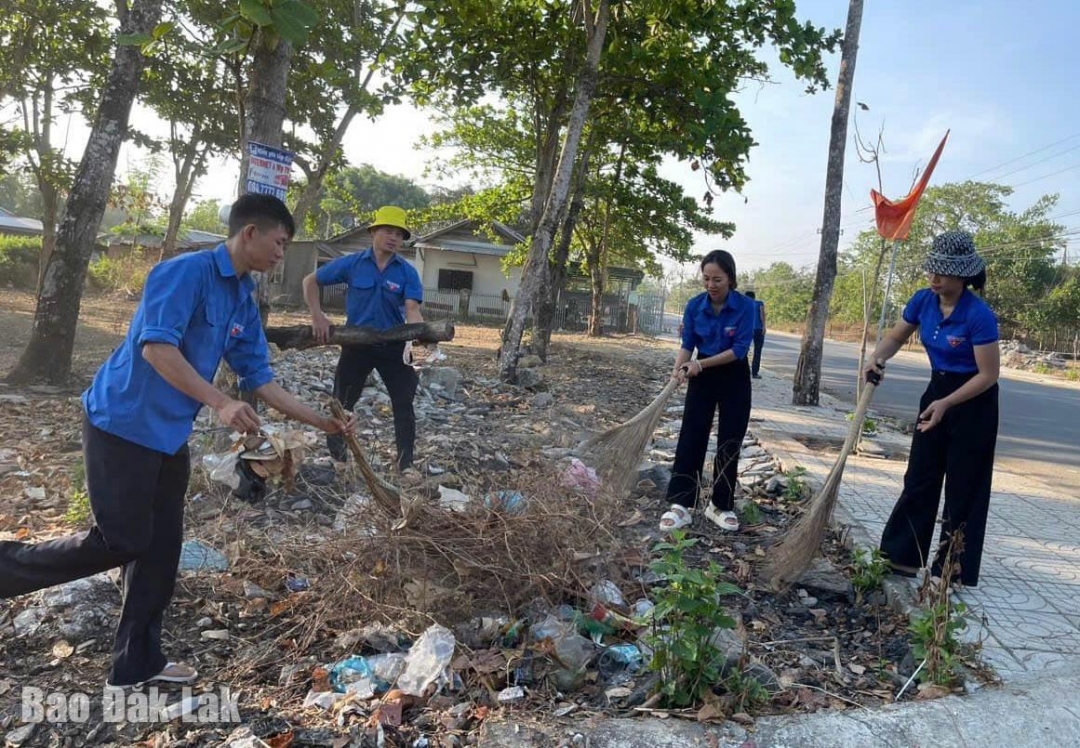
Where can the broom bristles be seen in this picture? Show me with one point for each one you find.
(800, 544)
(616, 453)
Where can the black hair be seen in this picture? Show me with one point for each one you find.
(265, 211)
(725, 262)
(978, 282)
(750, 294)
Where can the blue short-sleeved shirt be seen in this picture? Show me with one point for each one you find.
(950, 343)
(711, 333)
(758, 323)
(375, 297)
(197, 303)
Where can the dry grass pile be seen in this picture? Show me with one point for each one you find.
(489, 556)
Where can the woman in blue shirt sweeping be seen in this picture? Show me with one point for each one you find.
(719, 325)
(954, 439)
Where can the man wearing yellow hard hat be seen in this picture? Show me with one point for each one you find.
(383, 291)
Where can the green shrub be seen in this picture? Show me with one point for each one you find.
(19, 258)
(126, 273)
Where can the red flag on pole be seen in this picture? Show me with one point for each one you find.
(894, 218)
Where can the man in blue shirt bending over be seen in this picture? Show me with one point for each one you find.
(196, 309)
(383, 291)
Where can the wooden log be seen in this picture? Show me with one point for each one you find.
(301, 337)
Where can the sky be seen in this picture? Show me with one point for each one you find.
(999, 74)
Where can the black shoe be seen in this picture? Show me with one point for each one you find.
(756, 376)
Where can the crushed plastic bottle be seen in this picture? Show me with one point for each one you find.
(427, 660)
(349, 671)
(574, 651)
(620, 658)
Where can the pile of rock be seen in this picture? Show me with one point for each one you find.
(1016, 355)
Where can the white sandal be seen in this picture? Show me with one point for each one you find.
(173, 672)
(726, 521)
(675, 518)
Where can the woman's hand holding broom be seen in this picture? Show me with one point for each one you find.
(874, 372)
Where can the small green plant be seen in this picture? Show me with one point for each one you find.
(78, 507)
(747, 690)
(934, 630)
(686, 615)
(869, 572)
(796, 488)
(934, 639)
(750, 514)
(869, 426)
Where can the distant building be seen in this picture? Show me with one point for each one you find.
(12, 224)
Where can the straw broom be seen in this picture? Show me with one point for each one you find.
(793, 555)
(384, 494)
(616, 453)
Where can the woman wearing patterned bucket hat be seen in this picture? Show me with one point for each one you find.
(956, 433)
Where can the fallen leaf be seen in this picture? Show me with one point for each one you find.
(712, 711)
(22, 533)
(856, 668)
(284, 740)
(62, 650)
(5, 686)
(320, 680)
(929, 691)
(759, 551)
(742, 718)
(636, 518)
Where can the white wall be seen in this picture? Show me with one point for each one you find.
(488, 278)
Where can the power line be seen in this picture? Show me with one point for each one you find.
(1022, 157)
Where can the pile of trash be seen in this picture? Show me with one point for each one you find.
(1016, 355)
(595, 654)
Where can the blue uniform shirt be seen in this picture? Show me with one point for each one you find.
(711, 333)
(950, 343)
(197, 303)
(759, 306)
(375, 297)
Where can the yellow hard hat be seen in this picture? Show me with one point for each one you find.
(390, 215)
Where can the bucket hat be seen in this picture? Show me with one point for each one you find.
(953, 253)
(390, 215)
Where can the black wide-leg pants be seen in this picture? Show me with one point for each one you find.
(959, 453)
(723, 388)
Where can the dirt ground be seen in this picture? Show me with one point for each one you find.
(819, 652)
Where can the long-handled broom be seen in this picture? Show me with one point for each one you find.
(616, 453)
(793, 555)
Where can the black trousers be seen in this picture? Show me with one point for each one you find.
(137, 501)
(759, 340)
(726, 388)
(958, 452)
(353, 369)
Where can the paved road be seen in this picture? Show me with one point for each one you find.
(1040, 423)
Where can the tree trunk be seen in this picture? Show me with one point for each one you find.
(47, 357)
(264, 119)
(807, 385)
(45, 172)
(188, 169)
(535, 276)
(50, 205)
(596, 278)
(545, 315)
(598, 262)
